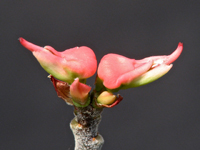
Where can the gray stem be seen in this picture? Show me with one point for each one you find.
(85, 128)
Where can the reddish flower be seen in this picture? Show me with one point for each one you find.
(117, 71)
(79, 93)
(67, 65)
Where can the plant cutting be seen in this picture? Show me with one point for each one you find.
(70, 69)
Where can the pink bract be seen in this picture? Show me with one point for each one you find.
(67, 65)
(116, 70)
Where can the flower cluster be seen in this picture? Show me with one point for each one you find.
(69, 70)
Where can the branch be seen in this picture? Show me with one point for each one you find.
(85, 128)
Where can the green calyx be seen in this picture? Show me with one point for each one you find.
(81, 105)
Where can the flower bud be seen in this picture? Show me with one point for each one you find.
(106, 98)
(119, 72)
(80, 93)
(67, 65)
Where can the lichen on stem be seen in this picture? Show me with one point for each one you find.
(85, 128)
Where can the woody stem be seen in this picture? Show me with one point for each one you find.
(85, 128)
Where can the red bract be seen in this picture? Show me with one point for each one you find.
(62, 89)
(67, 65)
(117, 71)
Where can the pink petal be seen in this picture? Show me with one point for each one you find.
(128, 77)
(79, 91)
(30, 46)
(112, 66)
(53, 51)
(50, 62)
(165, 59)
(75, 62)
(116, 70)
(171, 58)
(81, 60)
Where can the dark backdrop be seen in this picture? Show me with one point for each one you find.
(163, 115)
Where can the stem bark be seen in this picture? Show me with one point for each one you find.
(85, 128)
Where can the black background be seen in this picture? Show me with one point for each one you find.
(163, 115)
